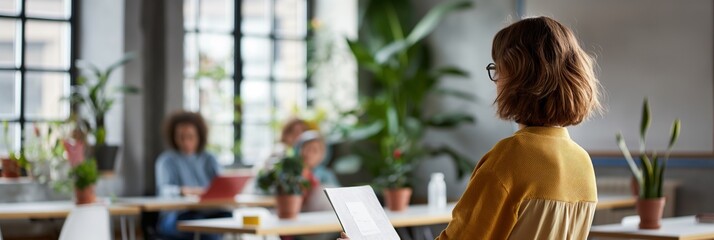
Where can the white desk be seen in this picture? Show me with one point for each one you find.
(155, 204)
(314, 223)
(681, 228)
(60, 209)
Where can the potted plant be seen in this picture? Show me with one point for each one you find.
(649, 175)
(286, 180)
(12, 164)
(93, 91)
(85, 176)
(390, 118)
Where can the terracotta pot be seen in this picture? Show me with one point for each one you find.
(397, 199)
(85, 196)
(10, 168)
(650, 211)
(288, 206)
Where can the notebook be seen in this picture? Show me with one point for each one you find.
(360, 214)
(224, 187)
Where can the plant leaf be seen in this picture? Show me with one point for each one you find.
(449, 119)
(644, 123)
(127, 89)
(363, 132)
(451, 71)
(628, 157)
(676, 125)
(456, 93)
(433, 17)
(383, 55)
(421, 30)
(124, 60)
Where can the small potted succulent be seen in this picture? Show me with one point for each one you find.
(93, 90)
(85, 176)
(286, 180)
(649, 175)
(12, 164)
(83, 173)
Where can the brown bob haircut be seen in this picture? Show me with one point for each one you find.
(546, 78)
(184, 117)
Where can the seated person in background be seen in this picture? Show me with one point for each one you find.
(185, 169)
(311, 148)
(292, 131)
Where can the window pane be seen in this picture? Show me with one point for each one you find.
(256, 19)
(12, 137)
(291, 18)
(256, 56)
(216, 100)
(47, 44)
(48, 8)
(190, 46)
(9, 7)
(256, 142)
(216, 15)
(255, 96)
(215, 55)
(221, 142)
(8, 91)
(8, 42)
(190, 94)
(43, 94)
(289, 96)
(189, 14)
(291, 60)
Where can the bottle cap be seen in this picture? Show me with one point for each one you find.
(437, 175)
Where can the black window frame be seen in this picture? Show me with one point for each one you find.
(238, 76)
(22, 120)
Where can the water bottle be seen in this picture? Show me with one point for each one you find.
(437, 191)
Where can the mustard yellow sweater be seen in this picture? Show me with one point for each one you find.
(537, 184)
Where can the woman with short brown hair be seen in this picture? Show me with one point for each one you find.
(538, 183)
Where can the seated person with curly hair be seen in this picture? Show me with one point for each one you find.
(185, 169)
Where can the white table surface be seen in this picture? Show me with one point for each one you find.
(182, 203)
(672, 228)
(315, 222)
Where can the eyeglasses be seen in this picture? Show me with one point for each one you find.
(491, 68)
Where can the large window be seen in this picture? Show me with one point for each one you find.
(36, 58)
(245, 71)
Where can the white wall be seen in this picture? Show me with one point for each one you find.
(661, 49)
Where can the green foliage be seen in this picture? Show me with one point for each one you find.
(92, 90)
(390, 119)
(650, 172)
(85, 174)
(285, 177)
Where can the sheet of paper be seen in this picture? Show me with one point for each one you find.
(365, 223)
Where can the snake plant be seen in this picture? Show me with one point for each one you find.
(650, 172)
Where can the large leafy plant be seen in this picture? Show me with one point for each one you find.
(92, 90)
(390, 116)
(285, 177)
(650, 172)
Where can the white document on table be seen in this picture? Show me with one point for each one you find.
(360, 214)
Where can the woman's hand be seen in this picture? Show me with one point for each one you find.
(192, 191)
(343, 236)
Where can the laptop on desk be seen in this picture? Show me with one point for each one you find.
(225, 187)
